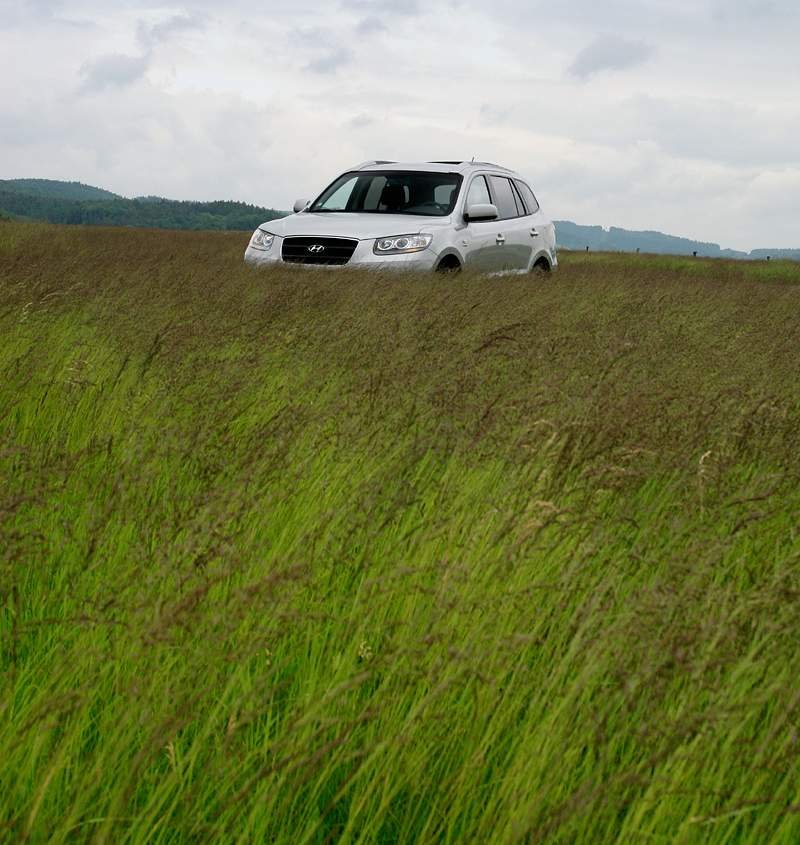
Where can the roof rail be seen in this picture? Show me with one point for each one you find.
(492, 164)
(371, 163)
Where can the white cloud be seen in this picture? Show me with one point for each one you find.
(330, 61)
(371, 24)
(151, 34)
(609, 52)
(114, 70)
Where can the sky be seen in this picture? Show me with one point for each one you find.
(676, 115)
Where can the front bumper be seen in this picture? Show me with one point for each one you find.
(364, 257)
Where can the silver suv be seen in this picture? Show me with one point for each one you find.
(441, 215)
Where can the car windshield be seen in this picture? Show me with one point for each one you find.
(391, 192)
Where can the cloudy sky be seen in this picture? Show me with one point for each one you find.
(677, 115)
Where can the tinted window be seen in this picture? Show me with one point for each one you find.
(478, 192)
(504, 197)
(392, 192)
(527, 195)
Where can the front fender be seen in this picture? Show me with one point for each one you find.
(448, 251)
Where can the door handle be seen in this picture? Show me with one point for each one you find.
(534, 233)
(500, 240)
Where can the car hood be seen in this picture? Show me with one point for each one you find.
(360, 226)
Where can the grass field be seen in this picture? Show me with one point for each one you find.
(310, 557)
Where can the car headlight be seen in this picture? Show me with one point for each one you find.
(262, 240)
(399, 244)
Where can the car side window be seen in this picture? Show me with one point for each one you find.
(527, 195)
(478, 192)
(504, 198)
(523, 212)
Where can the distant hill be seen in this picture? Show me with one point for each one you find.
(75, 203)
(780, 254)
(53, 189)
(573, 236)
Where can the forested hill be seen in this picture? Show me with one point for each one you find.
(56, 190)
(74, 203)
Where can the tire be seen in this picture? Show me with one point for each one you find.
(541, 268)
(449, 264)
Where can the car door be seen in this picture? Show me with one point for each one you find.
(539, 229)
(514, 240)
(480, 238)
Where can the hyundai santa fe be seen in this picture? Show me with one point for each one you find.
(432, 216)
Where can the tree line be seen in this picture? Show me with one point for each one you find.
(147, 212)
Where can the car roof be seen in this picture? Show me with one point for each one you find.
(463, 167)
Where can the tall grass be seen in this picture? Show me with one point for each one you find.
(311, 557)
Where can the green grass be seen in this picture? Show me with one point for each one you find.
(311, 557)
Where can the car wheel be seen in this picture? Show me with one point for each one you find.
(449, 264)
(541, 268)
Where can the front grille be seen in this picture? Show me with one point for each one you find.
(336, 251)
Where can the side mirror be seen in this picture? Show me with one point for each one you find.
(481, 211)
(301, 205)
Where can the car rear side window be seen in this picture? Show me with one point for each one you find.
(520, 204)
(478, 192)
(527, 195)
(504, 198)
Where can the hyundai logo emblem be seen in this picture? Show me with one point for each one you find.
(316, 248)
